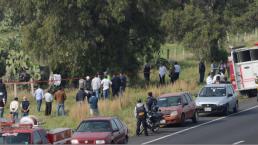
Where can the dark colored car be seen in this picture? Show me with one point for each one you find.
(101, 130)
(177, 107)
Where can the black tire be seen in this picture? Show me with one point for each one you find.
(126, 140)
(182, 123)
(226, 111)
(236, 107)
(195, 117)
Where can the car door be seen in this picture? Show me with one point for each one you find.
(43, 136)
(115, 132)
(36, 138)
(191, 104)
(230, 98)
(121, 130)
(186, 107)
(234, 97)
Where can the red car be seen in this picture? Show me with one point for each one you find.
(100, 130)
(177, 107)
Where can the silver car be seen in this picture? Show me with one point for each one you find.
(219, 98)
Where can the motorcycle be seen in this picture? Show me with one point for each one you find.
(153, 121)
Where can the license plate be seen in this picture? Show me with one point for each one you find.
(162, 121)
(207, 109)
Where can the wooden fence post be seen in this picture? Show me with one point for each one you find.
(31, 86)
(15, 90)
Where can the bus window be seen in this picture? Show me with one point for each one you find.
(244, 56)
(235, 59)
(254, 54)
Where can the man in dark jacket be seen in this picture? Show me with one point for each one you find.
(146, 72)
(93, 101)
(25, 106)
(151, 101)
(201, 71)
(3, 92)
(123, 80)
(80, 96)
(116, 83)
(140, 114)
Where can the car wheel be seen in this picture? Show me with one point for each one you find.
(182, 121)
(236, 107)
(226, 110)
(195, 117)
(126, 140)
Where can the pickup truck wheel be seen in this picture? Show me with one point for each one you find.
(236, 107)
(182, 123)
(195, 117)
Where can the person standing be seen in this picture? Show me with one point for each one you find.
(213, 68)
(123, 80)
(88, 88)
(60, 98)
(116, 83)
(2, 104)
(162, 73)
(80, 96)
(140, 114)
(95, 84)
(177, 70)
(3, 92)
(25, 106)
(106, 85)
(201, 71)
(94, 105)
(39, 94)
(151, 101)
(209, 79)
(14, 107)
(49, 99)
(146, 72)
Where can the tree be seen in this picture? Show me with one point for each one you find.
(88, 36)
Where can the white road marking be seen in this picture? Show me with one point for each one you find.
(239, 142)
(196, 126)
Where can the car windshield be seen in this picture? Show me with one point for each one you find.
(213, 92)
(14, 138)
(169, 101)
(95, 126)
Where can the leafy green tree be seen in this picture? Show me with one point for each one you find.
(88, 36)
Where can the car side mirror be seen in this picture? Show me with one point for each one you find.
(115, 130)
(185, 104)
(230, 95)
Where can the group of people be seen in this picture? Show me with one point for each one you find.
(99, 87)
(216, 74)
(173, 73)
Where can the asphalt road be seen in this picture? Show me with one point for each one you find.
(240, 128)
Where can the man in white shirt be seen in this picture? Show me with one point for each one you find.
(106, 85)
(49, 99)
(209, 79)
(14, 107)
(39, 94)
(95, 84)
(162, 73)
